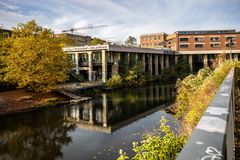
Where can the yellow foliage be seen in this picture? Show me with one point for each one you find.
(34, 58)
(195, 93)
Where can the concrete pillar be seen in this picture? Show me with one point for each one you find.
(77, 64)
(135, 58)
(190, 62)
(176, 59)
(167, 61)
(205, 60)
(105, 110)
(162, 62)
(115, 66)
(156, 64)
(143, 60)
(150, 64)
(104, 66)
(235, 56)
(90, 65)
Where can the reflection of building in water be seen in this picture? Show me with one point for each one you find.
(115, 111)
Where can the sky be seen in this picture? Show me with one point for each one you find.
(123, 17)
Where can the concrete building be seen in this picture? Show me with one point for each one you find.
(100, 62)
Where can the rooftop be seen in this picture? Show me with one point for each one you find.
(153, 34)
(117, 48)
(207, 32)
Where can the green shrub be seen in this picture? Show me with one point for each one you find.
(135, 76)
(115, 82)
(165, 145)
(195, 93)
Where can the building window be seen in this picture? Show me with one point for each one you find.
(155, 38)
(233, 44)
(214, 39)
(159, 38)
(215, 45)
(184, 45)
(198, 45)
(183, 39)
(199, 39)
(230, 37)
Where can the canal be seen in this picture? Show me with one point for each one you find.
(92, 130)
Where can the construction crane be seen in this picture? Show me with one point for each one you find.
(83, 28)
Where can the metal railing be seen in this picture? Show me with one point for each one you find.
(213, 137)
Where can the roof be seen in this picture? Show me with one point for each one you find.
(207, 32)
(153, 34)
(117, 48)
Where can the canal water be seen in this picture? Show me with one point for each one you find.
(93, 130)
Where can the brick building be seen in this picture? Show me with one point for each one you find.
(200, 47)
(208, 41)
(155, 40)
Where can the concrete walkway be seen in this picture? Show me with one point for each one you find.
(70, 89)
(80, 86)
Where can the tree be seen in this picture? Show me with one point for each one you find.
(131, 41)
(34, 58)
(96, 41)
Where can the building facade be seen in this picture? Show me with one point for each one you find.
(155, 40)
(208, 41)
(101, 62)
(200, 48)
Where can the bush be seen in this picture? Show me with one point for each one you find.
(135, 76)
(115, 82)
(195, 92)
(165, 145)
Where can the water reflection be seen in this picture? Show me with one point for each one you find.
(35, 137)
(110, 111)
(47, 134)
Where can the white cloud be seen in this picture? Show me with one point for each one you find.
(124, 17)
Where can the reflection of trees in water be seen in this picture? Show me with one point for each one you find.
(39, 137)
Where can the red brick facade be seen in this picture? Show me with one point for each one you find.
(208, 40)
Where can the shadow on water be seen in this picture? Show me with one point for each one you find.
(95, 129)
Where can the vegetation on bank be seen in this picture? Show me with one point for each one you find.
(32, 58)
(134, 76)
(194, 93)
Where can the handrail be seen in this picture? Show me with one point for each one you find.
(213, 137)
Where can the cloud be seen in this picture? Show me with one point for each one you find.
(124, 17)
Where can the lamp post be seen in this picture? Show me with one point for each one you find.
(230, 44)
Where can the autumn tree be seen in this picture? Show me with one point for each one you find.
(131, 41)
(34, 58)
(96, 41)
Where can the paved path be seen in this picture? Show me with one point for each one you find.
(80, 86)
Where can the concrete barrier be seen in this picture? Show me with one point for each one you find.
(213, 137)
